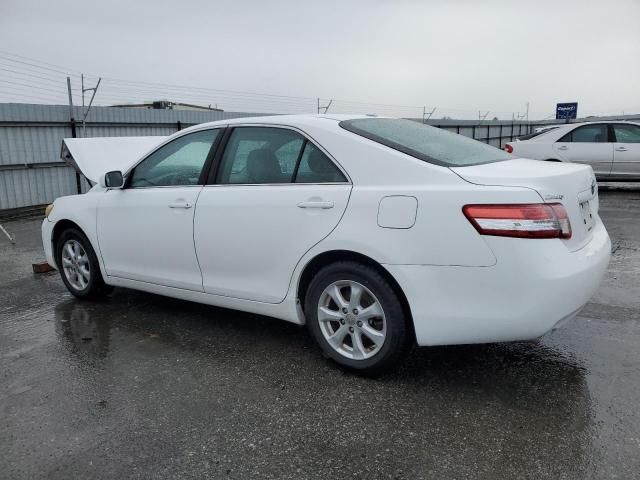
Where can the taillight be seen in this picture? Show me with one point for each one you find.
(528, 220)
(508, 148)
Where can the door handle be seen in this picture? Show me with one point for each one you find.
(178, 204)
(621, 149)
(316, 204)
(563, 147)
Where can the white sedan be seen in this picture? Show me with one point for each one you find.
(611, 148)
(375, 232)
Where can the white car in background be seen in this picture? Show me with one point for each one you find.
(375, 232)
(611, 148)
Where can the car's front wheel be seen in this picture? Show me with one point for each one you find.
(356, 317)
(79, 266)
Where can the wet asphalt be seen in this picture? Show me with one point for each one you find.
(141, 386)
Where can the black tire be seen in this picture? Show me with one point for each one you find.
(95, 288)
(396, 342)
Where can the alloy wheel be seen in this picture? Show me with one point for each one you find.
(352, 320)
(75, 263)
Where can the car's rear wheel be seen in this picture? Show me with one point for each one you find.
(79, 266)
(356, 317)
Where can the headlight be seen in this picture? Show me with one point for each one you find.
(47, 210)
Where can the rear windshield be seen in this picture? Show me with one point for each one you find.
(433, 145)
(535, 134)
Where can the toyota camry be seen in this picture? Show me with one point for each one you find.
(377, 233)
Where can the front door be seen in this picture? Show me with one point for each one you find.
(145, 230)
(275, 196)
(626, 151)
(588, 144)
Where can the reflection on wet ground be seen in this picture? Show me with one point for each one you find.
(141, 386)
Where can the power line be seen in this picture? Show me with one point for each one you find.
(33, 65)
(28, 74)
(37, 87)
(231, 97)
(44, 76)
(21, 96)
(4, 52)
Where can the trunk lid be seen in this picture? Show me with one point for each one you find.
(571, 184)
(96, 156)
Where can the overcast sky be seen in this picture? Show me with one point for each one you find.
(458, 56)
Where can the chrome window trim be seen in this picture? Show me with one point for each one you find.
(164, 186)
(305, 135)
(270, 184)
(171, 138)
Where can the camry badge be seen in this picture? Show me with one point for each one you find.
(553, 197)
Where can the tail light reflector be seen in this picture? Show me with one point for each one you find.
(508, 148)
(528, 220)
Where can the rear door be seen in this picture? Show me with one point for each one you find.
(273, 195)
(588, 144)
(626, 151)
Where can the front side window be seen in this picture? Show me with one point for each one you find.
(179, 162)
(627, 133)
(430, 144)
(265, 155)
(587, 134)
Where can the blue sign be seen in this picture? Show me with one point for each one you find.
(566, 110)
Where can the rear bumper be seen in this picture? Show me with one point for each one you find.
(536, 286)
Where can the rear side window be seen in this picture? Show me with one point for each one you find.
(315, 167)
(270, 155)
(587, 134)
(260, 155)
(430, 144)
(627, 133)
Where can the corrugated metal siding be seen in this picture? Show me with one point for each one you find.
(31, 144)
(32, 135)
(34, 186)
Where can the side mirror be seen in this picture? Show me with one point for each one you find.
(113, 180)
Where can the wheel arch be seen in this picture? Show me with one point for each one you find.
(332, 256)
(61, 226)
(65, 224)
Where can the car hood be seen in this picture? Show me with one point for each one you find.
(96, 156)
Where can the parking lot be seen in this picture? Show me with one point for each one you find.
(141, 386)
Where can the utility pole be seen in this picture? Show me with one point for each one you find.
(427, 115)
(85, 113)
(482, 117)
(326, 107)
(73, 126)
(72, 121)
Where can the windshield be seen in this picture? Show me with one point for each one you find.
(433, 145)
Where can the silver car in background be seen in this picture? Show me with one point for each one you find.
(611, 148)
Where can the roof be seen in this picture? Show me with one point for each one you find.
(289, 120)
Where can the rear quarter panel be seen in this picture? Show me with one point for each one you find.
(441, 234)
(534, 150)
